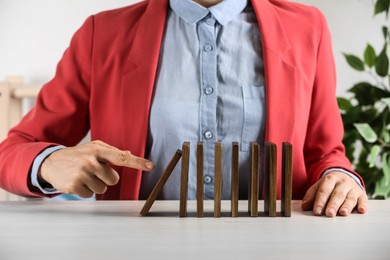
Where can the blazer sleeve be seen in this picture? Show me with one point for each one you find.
(60, 116)
(323, 147)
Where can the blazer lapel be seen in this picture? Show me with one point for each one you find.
(137, 88)
(280, 76)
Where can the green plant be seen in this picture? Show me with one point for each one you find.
(366, 115)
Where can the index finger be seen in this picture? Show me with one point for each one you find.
(124, 158)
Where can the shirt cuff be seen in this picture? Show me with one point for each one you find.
(350, 174)
(37, 164)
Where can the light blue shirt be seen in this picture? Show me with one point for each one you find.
(209, 87)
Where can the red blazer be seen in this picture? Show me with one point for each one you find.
(105, 81)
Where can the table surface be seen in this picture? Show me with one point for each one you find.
(115, 230)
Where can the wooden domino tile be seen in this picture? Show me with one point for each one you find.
(270, 180)
(218, 179)
(286, 179)
(266, 179)
(235, 180)
(199, 180)
(161, 182)
(254, 182)
(185, 162)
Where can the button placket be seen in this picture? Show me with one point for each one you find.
(208, 104)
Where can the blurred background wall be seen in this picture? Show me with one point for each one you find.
(34, 34)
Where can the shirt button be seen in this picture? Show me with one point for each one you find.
(208, 48)
(208, 135)
(207, 179)
(208, 90)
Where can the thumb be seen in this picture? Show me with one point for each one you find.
(310, 196)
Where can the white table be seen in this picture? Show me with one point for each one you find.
(114, 230)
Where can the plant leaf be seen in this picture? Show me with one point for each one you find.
(369, 115)
(374, 155)
(382, 63)
(366, 132)
(386, 165)
(385, 31)
(361, 90)
(344, 104)
(349, 141)
(352, 115)
(386, 101)
(385, 135)
(367, 94)
(382, 6)
(382, 187)
(355, 62)
(369, 56)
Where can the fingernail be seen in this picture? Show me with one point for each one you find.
(318, 211)
(149, 165)
(344, 211)
(331, 212)
(362, 210)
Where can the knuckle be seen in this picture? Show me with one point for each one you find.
(329, 177)
(86, 166)
(84, 162)
(350, 199)
(123, 156)
(322, 191)
(95, 150)
(92, 147)
(344, 180)
(338, 194)
(89, 163)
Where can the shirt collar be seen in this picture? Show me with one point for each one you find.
(223, 12)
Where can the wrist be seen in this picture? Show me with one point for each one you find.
(41, 180)
(38, 178)
(44, 170)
